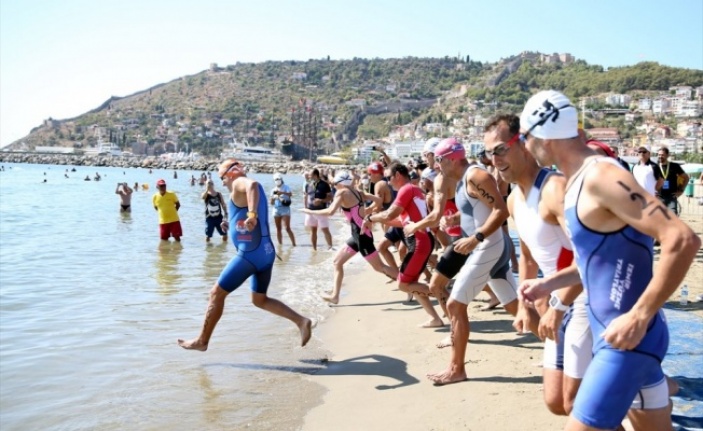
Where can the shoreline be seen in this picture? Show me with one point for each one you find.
(154, 162)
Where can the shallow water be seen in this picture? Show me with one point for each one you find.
(92, 302)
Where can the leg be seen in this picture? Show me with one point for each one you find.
(386, 254)
(313, 237)
(493, 302)
(280, 309)
(342, 257)
(286, 225)
(422, 293)
(438, 284)
(277, 222)
(460, 337)
(375, 261)
(328, 236)
(553, 392)
(216, 305)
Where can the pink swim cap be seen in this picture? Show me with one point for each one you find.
(450, 148)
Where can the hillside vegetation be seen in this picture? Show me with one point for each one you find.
(349, 99)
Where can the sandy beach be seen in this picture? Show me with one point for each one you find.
(375, 374)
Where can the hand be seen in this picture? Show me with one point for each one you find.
(250, 223)
(549, 324)
(410, 229)
(317, 202)
(225, 226)
(533, 289)
(464, 246)
(625, 332)
(523, 320)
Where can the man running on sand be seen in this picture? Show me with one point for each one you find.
(248, 217)
(482, 211)
(611, 221)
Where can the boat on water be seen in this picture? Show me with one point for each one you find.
(333, 159)
(249, 153)
(104, 149)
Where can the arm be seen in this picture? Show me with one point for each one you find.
(658, 176)
(440, 201)
(387, 160)
(388, 216)
(117, 189)
(336, 204)
(629, 203)
(178, 205)
(224, 205)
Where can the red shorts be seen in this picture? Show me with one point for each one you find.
(420, 247)
(170, 229)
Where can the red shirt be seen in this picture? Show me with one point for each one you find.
(412, 200)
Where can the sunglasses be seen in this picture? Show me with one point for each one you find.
(501, 149)
(224, 174)
(439, 159)
(548, 111)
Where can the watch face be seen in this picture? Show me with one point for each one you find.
(553, 301)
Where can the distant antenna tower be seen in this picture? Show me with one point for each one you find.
(305, 123)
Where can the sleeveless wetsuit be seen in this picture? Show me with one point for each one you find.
(552, 251)
(421, 243)
(361, 239)
(255, 252)
(615, 269)
(489, 262)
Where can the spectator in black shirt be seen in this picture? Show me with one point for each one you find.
(675, 180)
(318, 194)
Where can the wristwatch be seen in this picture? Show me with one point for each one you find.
(251, 214)
(555, 303)
(479, 236)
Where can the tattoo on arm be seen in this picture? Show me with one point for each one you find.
(483, 192)
(643, 201)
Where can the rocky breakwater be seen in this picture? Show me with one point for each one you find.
(201, 164)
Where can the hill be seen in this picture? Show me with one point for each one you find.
(339, 100)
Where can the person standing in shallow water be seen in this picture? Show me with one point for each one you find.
(167, 205)
(215, 211)
(125, 197)
(248, 215)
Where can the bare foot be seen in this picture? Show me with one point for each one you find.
(330, 299)
(491, 305)
(192, 345)
(305, 331)
(447, 378)
(446, 342)
(432, 323)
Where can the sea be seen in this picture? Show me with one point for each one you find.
(92, 303)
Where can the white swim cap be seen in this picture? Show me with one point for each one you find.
(343, 178)
(428, 174)
(277, 176)
(430, 145)
(550, 115)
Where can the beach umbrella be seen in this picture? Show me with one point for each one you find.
(692, 168)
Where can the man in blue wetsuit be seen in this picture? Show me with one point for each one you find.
(611, 221)
(249, 231)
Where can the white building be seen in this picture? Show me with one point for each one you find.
(618, 99)
(688, 109)
(660, 106)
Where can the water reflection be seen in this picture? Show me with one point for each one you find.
(167, 274)
(216, 257)
(213, 404)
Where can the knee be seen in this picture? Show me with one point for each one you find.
(217, 294)
(259, 300)
(456, 308)
(555, 405)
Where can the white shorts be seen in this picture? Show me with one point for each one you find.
(488, 263)
(314, 220)
(574, 352)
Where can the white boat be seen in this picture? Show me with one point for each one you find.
(103, 149)
(248, 153)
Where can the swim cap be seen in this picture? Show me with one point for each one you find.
(603, 146)
(550, 115)
(375, 168)
(161, 183)
(429, 174)
(431, 145)
(342, 178)
(450, 148)
(277, 176)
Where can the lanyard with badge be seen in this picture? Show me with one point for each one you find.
(666, 175)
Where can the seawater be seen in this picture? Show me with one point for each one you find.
(92, 302)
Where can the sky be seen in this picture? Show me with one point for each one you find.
(61, 59)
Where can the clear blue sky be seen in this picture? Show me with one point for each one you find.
(62, 58)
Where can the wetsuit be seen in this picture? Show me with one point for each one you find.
(255, 252)
(552, 251)
(489, 262)
(361, 239)
(615, 269)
